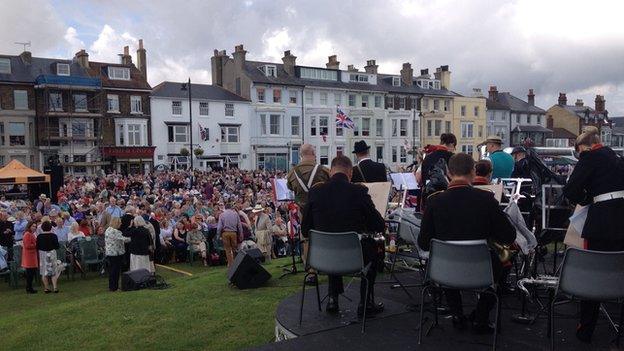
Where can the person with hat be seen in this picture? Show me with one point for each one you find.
(262, 229)
(502, 162)
(522, 168)
(367, 170)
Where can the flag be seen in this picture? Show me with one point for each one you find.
(342, 120)
(203, 132)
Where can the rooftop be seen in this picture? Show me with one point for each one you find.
(199, 91)
(516, 104)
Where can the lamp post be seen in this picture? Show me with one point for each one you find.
(185, 87)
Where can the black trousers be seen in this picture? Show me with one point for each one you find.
(115, 263)
(590, 309)
(486, 301)
(370, 255)
(30, 276)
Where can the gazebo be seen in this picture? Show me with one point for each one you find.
(16, 172)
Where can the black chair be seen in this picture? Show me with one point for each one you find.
(590, 275)
(335, 254)
(461, 265)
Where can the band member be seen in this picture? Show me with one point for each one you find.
(522, 168)
(464, 213)
(597, 181)
(367, 170)
(340, 206)
(434, 153)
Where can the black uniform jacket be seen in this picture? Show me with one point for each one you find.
(340, 206)
(464, 213)
(373, 172)
(597, 173)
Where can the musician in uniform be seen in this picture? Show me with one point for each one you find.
(522, 168)
(597, 181)
(340, 206)
(367, 170)
(465, 213)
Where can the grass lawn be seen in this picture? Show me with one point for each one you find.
(199, 312)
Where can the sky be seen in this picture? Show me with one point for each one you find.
(551, 46)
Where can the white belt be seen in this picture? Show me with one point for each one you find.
(609, 196)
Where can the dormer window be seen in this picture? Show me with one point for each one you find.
(119, 73)
(396, 81)
(270, 70)
(423, 84)
(5, 65)
(62, 69)
(436, 85)
(358, 78)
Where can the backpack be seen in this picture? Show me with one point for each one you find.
(437, 178)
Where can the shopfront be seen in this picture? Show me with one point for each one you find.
(130, 159)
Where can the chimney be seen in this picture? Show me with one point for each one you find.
(407, 74)
(531, 97)
(563, 100)
(289, 63)
(579, 103)
(126, 59)
(351, 68)
(476, 92)
(142, 59)
(371, 67)
(424, 72)
(493, 93)
(82, 58)
(26, 57)
(216, 62)
(600, 103)
(444, 76)
(332, 62)
(239, 56)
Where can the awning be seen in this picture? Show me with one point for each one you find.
(16, 173)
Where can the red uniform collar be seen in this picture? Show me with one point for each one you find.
(480, 181)
(596, 147)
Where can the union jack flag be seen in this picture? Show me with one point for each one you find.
(342, 120)
(203, 132)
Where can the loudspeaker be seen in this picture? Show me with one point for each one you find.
(56, 180)
(256, 254)
(246, 273)
(137, 279)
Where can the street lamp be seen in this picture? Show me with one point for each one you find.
(185, 87)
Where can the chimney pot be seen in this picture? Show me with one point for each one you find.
(26, 57)
(563, 99)
(332, 62)
(82, 57)
(579, 103)
(407, 74)
(289, 63)
(531, 97)
(239, 56)
(351, 68)
(142, 59)
(424, 72)
(493, 93)
(371, 67)
(599, 103)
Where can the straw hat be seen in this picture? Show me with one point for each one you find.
(257, 208)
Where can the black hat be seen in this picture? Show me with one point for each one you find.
(518, 149)
(360, 147)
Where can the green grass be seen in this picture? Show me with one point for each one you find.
(199, 312)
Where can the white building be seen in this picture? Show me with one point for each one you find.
(221, 126)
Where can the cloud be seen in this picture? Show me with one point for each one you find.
(73, 42)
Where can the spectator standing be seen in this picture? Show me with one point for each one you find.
(230, 229)
(49, 265)
(115, 250)
(29, 255)
(140, 245)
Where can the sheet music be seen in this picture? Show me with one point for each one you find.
(404, 181)
(496, 189)
(379, 193)
(282, 193)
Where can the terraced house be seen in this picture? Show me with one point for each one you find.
(292, 104)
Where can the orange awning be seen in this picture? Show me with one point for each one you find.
(16, 173)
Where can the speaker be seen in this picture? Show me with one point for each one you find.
(56, 179)
(246, 273)
(137, 279)
(256, 254)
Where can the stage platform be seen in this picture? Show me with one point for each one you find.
(396, 328)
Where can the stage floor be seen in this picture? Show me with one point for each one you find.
(397, 326)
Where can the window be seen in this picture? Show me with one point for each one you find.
(436, 105)
(528, 119)
(394, 154)
(379, 127)
(492, 116)
(313, 125)
(294, 125)
(467, 149)
(401, 103)
(356, 126)
(366, 126)
(436, 85)
(337, 99)
(437, 128)
(415, 128)
(389, 102)
(2, 140)
(447, 105)
(396, 81)
(17, 134)
(270, 71)
(309, 98)
(463, 110)
(362, 78)
(121, 134)
(539, 119)
(377, 101)
(277, 96)
(292, 97)
(447, 126)
(364, 100)
(324, 155)
(403, 154)
(62, 69)
(476, 111)
(119, 73)
(467, 130)
(339, 131)
(113, 104)
(203, 108)
(263, 124)
(414, 103)
(80, 102)
(275, 125)
(178, 133)
(5, 65)
(229, 110)
(425, 104)
(480, 131)
(340, 150)
(517, 118)
(323, 98)
(229, 134)
(403, 126)
(20, 98)
(176, 108)
(134, 135)
(238, 86)
(379, 153)
(323, 125)
(557, 142)
(395, 128)
(260, 94)
(351, 100)
(429, 128)
(56, 101)
(320, 74)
